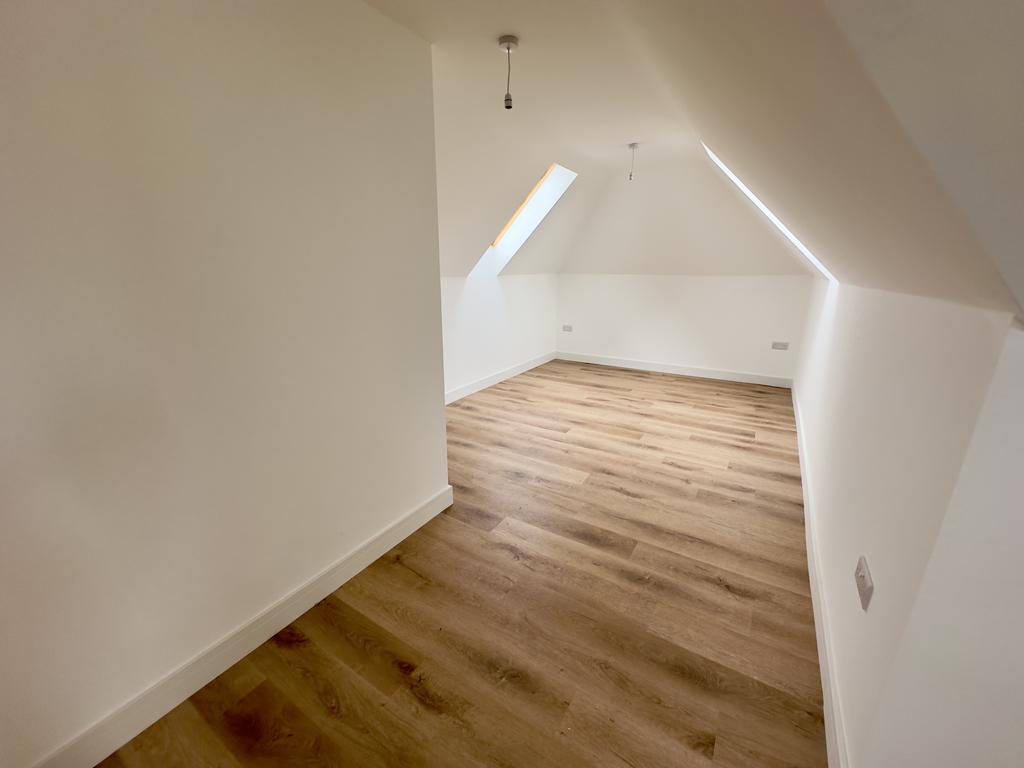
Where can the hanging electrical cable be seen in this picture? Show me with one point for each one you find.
(508, 82)
(508, 43)
(634, 147)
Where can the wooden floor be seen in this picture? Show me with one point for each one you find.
(622, 581)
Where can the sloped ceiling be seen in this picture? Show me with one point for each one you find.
(779, 95)
(773, 88)
(681, 214)
(582, 91)
(953, 73)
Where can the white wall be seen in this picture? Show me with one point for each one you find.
(945, 71)
(495, 326)
(219, 326)
(955, 693)
(888, 391)
(686, 323)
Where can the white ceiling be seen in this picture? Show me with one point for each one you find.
(680, 214)
(780, 96)
(773, 88)
(582, 91)
(953, 72)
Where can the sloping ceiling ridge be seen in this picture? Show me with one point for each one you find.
(953, 73)
(777, 93)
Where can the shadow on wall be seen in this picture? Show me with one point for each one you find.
(495, 326)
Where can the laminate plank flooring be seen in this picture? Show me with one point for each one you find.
(621, 581)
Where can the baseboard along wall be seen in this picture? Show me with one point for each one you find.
(121, 725)
(458, 393)
(680, 370)
(835, 733)
(465, 390)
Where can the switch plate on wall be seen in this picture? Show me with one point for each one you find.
(567, 328)
(780, 345)
(865, 584)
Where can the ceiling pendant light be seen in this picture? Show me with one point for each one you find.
(634, 147)
(508, 43)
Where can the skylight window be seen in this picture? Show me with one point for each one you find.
(531, 213)
(804, 250)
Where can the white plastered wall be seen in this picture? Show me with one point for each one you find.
(219, 328)
(888, 391)
(955, 692)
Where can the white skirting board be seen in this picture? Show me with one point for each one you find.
(468, 389)
(835, 732)
(102, 738)
(681, 370)
(639, 365)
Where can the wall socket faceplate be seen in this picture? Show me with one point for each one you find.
(567, 328)
(780, 345)
(865, 584)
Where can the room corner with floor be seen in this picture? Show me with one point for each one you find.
(563, 383)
